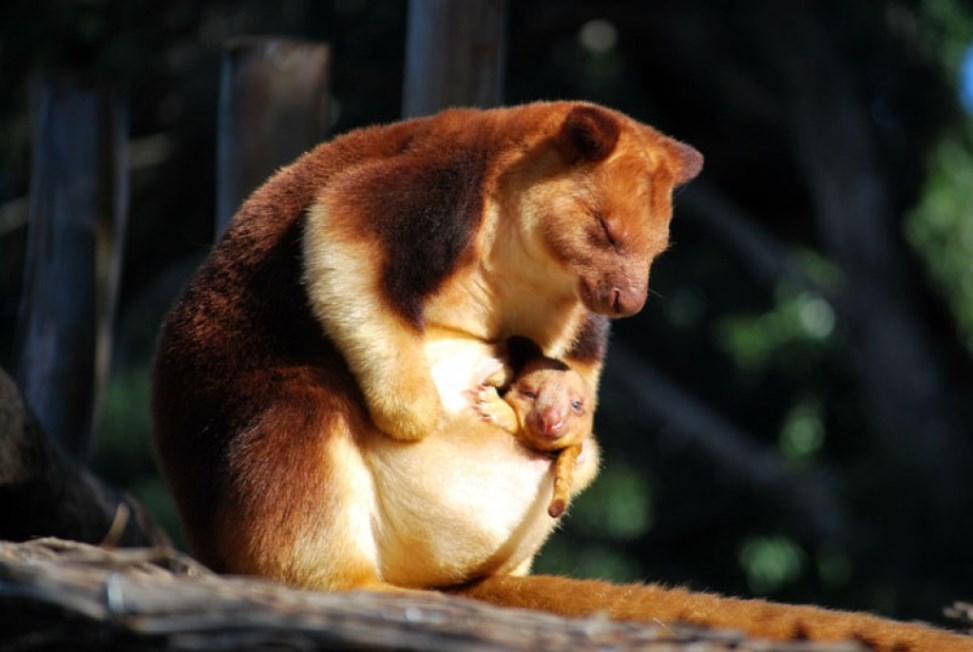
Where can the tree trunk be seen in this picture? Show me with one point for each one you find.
(78, 204)
(455, 55)
(274, 106)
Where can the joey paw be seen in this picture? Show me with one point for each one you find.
(488, 405)
(484, 401)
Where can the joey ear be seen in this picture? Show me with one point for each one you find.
(587, 134)
(689, 162)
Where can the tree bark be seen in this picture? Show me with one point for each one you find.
(57, 595)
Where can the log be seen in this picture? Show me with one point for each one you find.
(46, 492)
(56, 594)
(962, 612)
(455, 55)
(78, 204)
(274, 106)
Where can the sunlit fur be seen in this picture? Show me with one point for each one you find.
(531, 268)
(296, 410)
(296, 413)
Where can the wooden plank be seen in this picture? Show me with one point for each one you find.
(455, 55)
(274, 105)
(78, 204)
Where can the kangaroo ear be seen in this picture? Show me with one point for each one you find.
(689, 162)
(587, 134)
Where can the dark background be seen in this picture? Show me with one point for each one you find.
(791, 414)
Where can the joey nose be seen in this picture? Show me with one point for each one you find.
(550, 422)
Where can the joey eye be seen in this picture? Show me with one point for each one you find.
(529, 393)
(577, 405)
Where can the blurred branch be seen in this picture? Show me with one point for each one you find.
(762, 253)
(649, 396)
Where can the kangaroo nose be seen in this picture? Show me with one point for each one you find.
(626, 300)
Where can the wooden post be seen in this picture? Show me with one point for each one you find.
(274, 103)
(78, 201)
(455, 55)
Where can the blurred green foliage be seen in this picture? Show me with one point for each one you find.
(771, 562)
(941, 226)
(798, 324)
(617, 508)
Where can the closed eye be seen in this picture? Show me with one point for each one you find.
(606, 230)
(532, 395)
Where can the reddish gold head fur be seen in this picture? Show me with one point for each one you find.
(597, 203)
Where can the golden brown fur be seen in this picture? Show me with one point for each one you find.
(329, 291)
(478, 228)
(671, 605)
(297, 413)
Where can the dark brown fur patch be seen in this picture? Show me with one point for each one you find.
(592, 340)
(425, 215)
(223, 362)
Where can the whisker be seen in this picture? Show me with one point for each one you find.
(678, 191)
